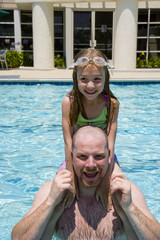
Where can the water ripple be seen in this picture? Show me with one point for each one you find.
(32, 147)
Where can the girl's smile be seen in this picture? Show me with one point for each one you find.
(91, 81)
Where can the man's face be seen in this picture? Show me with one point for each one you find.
(90, 160)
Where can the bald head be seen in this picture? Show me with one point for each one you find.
(90, 156)
(89, 133)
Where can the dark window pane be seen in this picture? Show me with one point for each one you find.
(104, 37)
(82, 36)
(58, 33)
(108, 53)
(26, 30)
(58, 17)
(104, 17)
(155, 15)
(154, 44)
(82, 20)
(6, 42)
(141, 44)
(142, 30)
(27, 44)
(6, 16)
(103, 32)
(82, 30)
(143, 15)
(26, 16)
(153, 55)
(6, 30)
(154, 30)
(58, 44)
(58, 30)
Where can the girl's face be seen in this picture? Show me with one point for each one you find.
(91, 81)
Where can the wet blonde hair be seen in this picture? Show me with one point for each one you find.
(76, 95)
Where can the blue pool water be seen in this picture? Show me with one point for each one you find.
(32, 148)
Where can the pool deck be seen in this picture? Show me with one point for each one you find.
(30, 74)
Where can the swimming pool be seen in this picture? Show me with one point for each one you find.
(31, 143)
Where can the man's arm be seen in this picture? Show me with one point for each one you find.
(46, 204)
(132, 208)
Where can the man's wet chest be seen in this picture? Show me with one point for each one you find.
(89, 221)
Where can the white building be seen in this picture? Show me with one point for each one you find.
(122, 29)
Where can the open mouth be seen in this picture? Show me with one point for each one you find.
(91, 178)
(91, 93)
(91, 174)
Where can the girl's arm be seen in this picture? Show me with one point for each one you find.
(102, 191)
(67, 131)
(112, 128)
(68, 134)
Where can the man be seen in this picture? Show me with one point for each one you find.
(128, 217)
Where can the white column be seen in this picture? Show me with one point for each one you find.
(125, 34)
(17, 29)
(69, 36)
(43, 38)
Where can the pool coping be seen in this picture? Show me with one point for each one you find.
(31, 75)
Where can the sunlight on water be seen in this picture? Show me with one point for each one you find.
(32, 148)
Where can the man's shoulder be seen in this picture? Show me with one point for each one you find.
(43, 191)
(40, 196)
(46, 186)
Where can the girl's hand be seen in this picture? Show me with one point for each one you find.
(121, 189)
(61, 183)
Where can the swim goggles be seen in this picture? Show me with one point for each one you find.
(98, 61)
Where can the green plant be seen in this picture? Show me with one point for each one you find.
(141, 60)
(157, 62)
(27, 59)
(14, 59)
(59, 61)
(150, 63)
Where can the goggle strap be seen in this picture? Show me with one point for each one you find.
(109, 65)
(72, 65)
(75, 64)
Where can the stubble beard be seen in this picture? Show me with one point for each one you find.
(91, 184)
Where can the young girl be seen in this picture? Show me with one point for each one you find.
(90, 102)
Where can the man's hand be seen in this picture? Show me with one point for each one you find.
(69, 195)
(121, 190)
(61, 183)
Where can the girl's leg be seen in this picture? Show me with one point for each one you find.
(116, 160)
(116, 168)
(63, 165)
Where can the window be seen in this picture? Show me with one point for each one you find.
(93, 29)
(26, 31)
(27, 34)
(148, 39)
(6, 29)
(82, 30)
(59, 33)
(103, 32)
